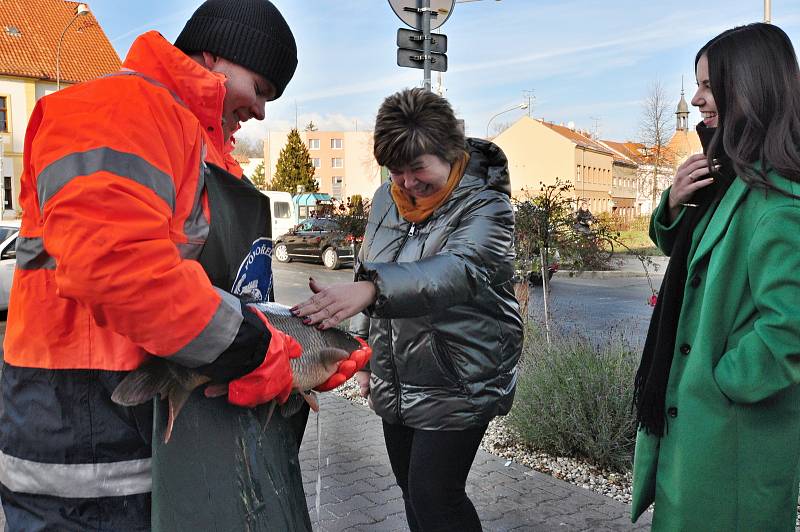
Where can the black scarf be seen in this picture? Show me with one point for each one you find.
(650, 386)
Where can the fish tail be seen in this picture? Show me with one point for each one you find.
(142, 384)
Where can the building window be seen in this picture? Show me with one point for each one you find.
(3, 113)
(8, 195)
(337, 162)
(313, 144)
(336, 144)
(336, 186)
(578, 173)
(315, 162)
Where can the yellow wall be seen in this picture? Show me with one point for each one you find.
(535, 154)
(593, 179)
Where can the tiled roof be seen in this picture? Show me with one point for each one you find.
(29, 35)
(622, 154)
(577, 138)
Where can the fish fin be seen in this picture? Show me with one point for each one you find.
(187, 378)
(177, 398)
(142, 384)
(264, 414)
(292, 405)
(311, 399)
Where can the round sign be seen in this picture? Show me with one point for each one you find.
(442, 8)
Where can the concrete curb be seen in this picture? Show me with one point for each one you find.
(610, 274)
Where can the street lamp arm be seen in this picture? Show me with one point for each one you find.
(520, 106)
(81, 10)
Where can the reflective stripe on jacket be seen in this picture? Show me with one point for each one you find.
(114, 212)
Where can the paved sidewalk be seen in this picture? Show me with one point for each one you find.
(358, 490)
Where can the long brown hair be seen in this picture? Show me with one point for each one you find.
(755, 81)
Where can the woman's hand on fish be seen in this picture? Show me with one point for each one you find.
(691, 176)
(330, 305)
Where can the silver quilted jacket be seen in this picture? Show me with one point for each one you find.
(445, 329)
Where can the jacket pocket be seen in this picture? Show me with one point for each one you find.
(445, 362)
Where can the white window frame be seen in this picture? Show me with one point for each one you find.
(334, 160)
(313, 144)
(315, 161)
(337, 144)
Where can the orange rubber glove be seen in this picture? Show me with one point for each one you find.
(347, 367)
(273, 378)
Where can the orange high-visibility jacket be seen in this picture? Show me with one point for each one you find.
(115, 211)
(112, 215)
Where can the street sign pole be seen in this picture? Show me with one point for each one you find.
(424, 16)
(426, 42)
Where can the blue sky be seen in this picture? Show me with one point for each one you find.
(587, 61)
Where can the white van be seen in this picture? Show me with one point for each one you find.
(284, 215)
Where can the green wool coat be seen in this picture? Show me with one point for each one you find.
(730, 459)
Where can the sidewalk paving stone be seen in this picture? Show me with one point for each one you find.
(359, 493)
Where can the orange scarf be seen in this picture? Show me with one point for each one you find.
(417, 210)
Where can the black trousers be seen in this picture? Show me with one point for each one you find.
(431, 468)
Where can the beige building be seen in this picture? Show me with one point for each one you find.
(539, 152)
(30, 31)
(343, 161)
(624, 180)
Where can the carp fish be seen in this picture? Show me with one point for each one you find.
(322, 351)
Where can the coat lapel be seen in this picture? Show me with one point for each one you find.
(720, 220)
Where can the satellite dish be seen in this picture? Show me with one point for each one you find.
(443, 9)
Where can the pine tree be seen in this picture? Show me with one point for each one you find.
(258, 178)
(294, 167)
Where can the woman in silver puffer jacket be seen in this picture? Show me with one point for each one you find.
(433, 281)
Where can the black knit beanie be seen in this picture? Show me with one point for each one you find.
(250, 33)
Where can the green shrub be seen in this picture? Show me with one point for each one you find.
(574, 398)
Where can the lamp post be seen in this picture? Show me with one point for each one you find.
(768, 11)
(520, 106)
(79, 11)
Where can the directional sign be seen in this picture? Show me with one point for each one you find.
(408, 12)
(413, 40)
(416, 59)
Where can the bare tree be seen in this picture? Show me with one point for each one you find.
(654, 134)
(249, 147)
(499, 127)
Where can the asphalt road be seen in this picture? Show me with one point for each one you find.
(597, 308)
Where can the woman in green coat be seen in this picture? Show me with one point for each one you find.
(717, 395)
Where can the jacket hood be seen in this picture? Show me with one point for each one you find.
(199, 89)
(488, 167)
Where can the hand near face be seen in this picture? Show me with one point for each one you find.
(334, 303)
(691, 176)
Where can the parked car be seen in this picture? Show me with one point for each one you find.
(316, 240)
(9, 229)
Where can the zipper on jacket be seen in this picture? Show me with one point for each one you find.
(396, 377)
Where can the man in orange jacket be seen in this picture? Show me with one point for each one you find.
(124, 253)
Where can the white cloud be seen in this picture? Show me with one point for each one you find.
(253, 129)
